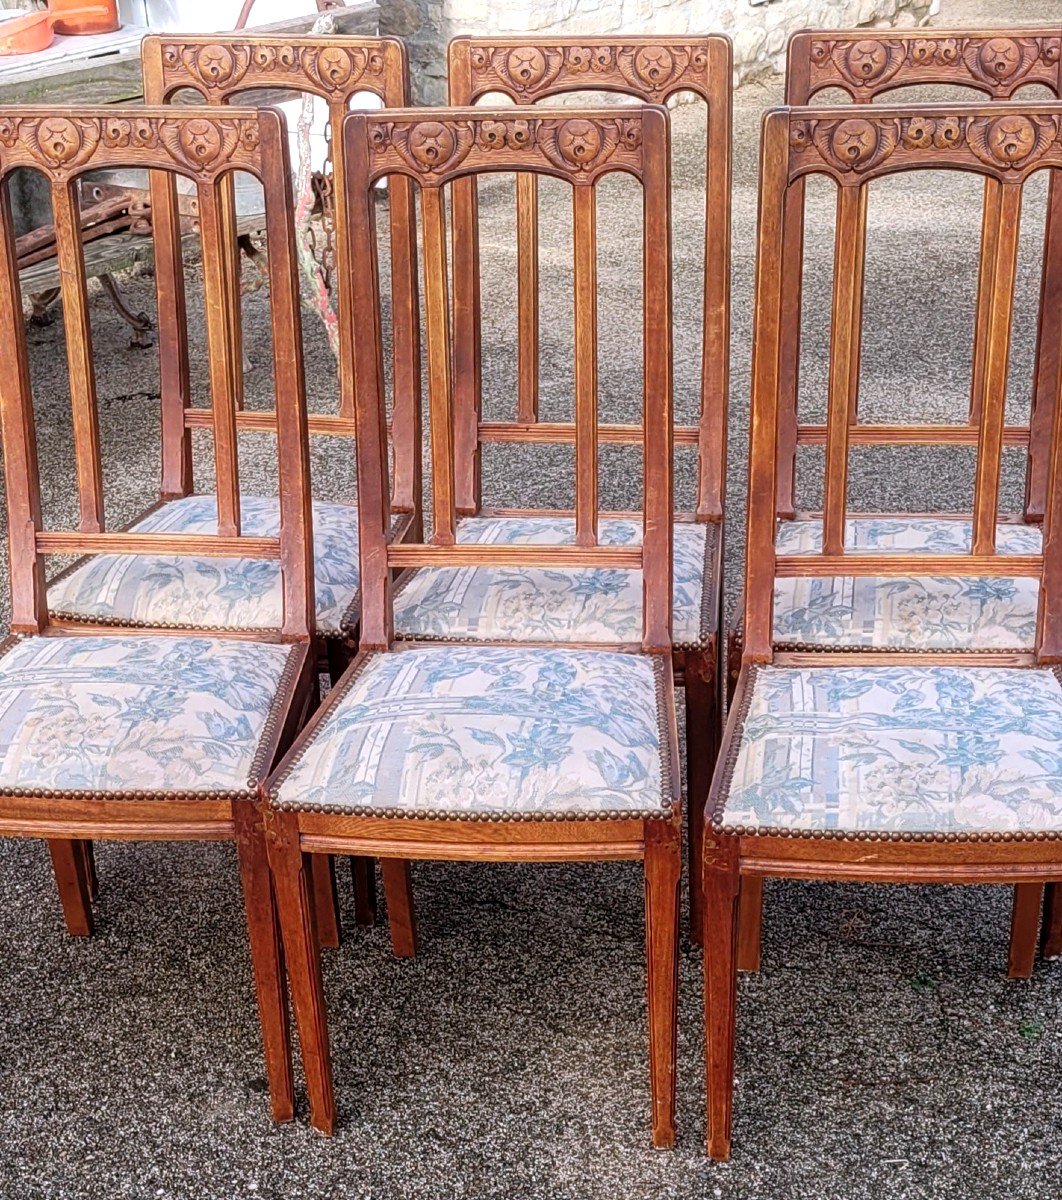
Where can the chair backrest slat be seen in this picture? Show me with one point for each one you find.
(530, 71)
(584, 213)
(82, 376)
(445, 146)
(174, 370)
(63, 145)
(994, 334)
(526, 298)
(849, 255)
(221, 352)
(1003, 143)
(440, 368)
(221, 68)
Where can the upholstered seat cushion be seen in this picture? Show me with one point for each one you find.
(214, 593)
(900, 749)
(490, 733)
(544, 604)
(957, 613)
(135, 712)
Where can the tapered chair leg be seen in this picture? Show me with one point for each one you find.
(363, 876)
(702, 740)
(1024, 928)
(73, 880)
(721, 886)
(293, 889)
(1051, 928)
(663, 881)
(326, 900)
(750, 923)
(401, 917)
(267, 960)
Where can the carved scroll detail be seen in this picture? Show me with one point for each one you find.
(221, 69)
(651, 70)
(63, 144)
(580, 146)
(997, 63)
(858, 144)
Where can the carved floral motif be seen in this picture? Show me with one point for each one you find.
(1011, 141)
(529, 71)
(998, 63)
(224, 68)
(61, 143)
(578, 144)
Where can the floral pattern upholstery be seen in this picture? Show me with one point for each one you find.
(135, 713)
(901, 750)
(928, 613)
(494, 604)
(213, 593)
(489, 732)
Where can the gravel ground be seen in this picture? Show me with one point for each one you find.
(881, 1050)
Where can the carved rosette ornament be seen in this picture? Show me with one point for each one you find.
(998, 64)
(855, 144)
(651, 71)
(578, 145)
(210, 68)
(1012, 141)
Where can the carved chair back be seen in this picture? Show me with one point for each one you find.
(866, 65)
(437, 147)
(225, 68)
(1003, 144)
(205, 146)
(651, 69)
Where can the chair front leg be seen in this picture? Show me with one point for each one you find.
(267, 959)
(73, 877)
(663, 879)
(721, 887)
(293, 888)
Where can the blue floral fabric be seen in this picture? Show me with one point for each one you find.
(929, 613)
(135, 713)
(900, 749)
(483, 731)
(213, 593)
(543, 604)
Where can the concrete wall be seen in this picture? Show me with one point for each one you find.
(759, 28)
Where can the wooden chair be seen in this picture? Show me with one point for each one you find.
(849, 614)
(909, 765)
(445, 605)
(222, 69)
(135, 734)
(507, 751)
(865, 65)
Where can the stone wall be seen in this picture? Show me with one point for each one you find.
(759, 28)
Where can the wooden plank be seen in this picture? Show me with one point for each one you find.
(194, 545)
(471, 555)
